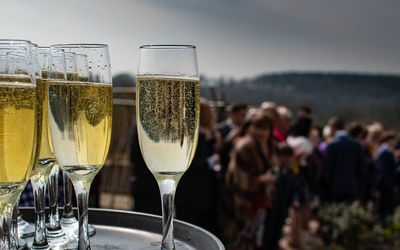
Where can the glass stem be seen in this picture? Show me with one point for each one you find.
(82, 189)
(54, 219)
(5, 210)
(39, 193)
(68, 212)
(14, 227)
(167, 190)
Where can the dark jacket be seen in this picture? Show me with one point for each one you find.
(277, 214)
(386, 183)
(386, 170)
(224, 129)
(343, 166)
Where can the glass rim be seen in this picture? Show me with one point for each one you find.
(80, 45)
(17, 41)
(11, 42)
(167, 46)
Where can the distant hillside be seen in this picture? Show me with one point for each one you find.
(353, 96)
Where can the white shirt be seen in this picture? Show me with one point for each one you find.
(301, 145)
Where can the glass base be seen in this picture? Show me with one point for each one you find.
(57, 239)
(71, 226)
(46, 247)
(25, 229)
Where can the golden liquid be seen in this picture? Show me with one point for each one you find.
(46, 157)
(168, 111)
(80, 125)
(18, 132)
(46, 149)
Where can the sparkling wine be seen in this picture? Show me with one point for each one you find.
(18, 132)
(80, 123)
(168, 112)
(45, 151)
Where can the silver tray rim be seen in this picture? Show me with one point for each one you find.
(178, 224)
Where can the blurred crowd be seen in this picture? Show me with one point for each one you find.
(265, 166)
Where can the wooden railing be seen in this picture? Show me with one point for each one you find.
(114, 189)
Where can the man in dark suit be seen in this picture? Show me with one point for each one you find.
(226, 129)
(284, 197)
(343, 164)
(386, 176)
(235, 120)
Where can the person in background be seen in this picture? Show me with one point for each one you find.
(196, 194)
(245, 199)
(282, 128)
(304, 111)
(228, 131)
(208, 127)
(270, 109)
(241, 132)
(235, 120)
(315, 162)
(299, 138)
(386, 176)
(374, 135)
(283, 199)
(302, 147)
(327, 136)
(343, 164)
(367, 181)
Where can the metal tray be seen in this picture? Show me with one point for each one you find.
(117, 229)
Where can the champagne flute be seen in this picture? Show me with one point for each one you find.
(38, 168)
(45, 153)
(17, 60)
(55, 235)
(14, 59)
(68, 221)
(41, 171)
(24, 228)
(18, 126)
(80, 125)
(167, 113)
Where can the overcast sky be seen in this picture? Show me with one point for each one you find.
(238, 38)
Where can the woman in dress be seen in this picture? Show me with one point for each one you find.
(249, 173)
